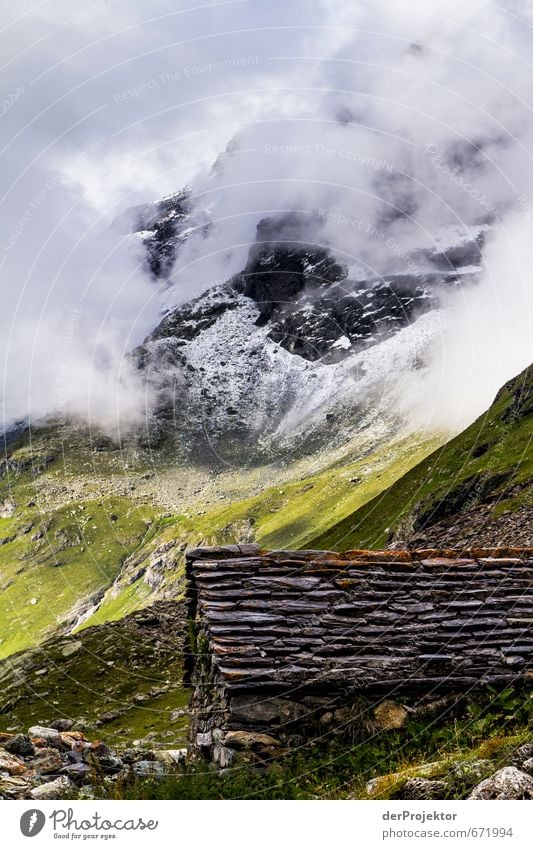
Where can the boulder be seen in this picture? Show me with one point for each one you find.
(60, 788)
(7, 508)
(223, 756)
(62, 724)
(507, 783)
(12, 764)
(110, 764)
(177, 714)
(170, 757)
(134, 755)
(421, 788)
(43, 736)
(77, 771)
(249, 740)
(98, 749)
(522, 754)
(145, 769)
(20, 745)
(47, 760)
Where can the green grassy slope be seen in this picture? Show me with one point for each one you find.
(289, 515)
(283, 516)
(489, 463)
(63, 537)
(78, 556)
(121, 681)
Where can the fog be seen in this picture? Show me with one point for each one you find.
(395, 119)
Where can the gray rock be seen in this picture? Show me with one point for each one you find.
(21, 745)
(62, 724)
(57, 789)
(177, 714)
(77, 771)
(7, 508)
(223, 756)
(522, 754)
(421, 788)
(204, 738)
(145, 769)
(51, 735)
(170, 757)
(507, 783)
(47, 760)
(131, 756)
(110, 764)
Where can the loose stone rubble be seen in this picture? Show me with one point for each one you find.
(59, 762)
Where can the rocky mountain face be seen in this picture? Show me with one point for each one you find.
(292, 352)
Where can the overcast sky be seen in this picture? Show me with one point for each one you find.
(354, 106)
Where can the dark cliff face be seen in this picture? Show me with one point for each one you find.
(303, 293)
(349, 317)
(163, 227)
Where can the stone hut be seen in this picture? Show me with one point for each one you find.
(292, 646)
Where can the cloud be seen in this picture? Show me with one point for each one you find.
(486, 339)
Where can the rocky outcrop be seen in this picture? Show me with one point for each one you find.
(163, 227)
(292, 646)
(306, 300)
(505, 776)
